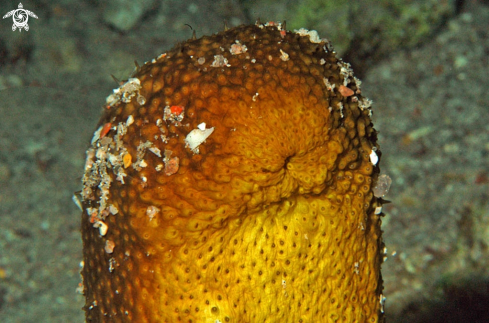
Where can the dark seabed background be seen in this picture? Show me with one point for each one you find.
(424, 64)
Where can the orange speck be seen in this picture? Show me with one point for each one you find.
(3, 273)
(345, 91)
(176, 109)
(282, 33)
(79, 289)
(93, 217)
(127, 160)
(105, 129)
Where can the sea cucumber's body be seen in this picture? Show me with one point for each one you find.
(269, 218)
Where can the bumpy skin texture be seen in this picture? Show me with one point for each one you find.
(271, 221)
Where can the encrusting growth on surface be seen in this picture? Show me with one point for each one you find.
(230, 180)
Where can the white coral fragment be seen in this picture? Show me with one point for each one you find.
(130, 120)
(201, 126)
(220, 61)
(313, 35)
(151, 212)
(125, 93)
(155, 151)
(96, 135)
(113, 209)
(364, 103)
(374, 159)
(346, 71)
(102, 227)
(238, 48)
(284, 56)
(382, 186)
(198, 136)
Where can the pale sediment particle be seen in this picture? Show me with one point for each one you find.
(220, 61)
(151, 212)
(198, 136)
(238, 48)
(109, 246)
(313, 34)
(102, 227)
(172, 164)
(130, 120)
(382, 186)
(374, 159)
(284, 56)
(125, 93)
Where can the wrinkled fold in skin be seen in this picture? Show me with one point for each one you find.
(271, 218)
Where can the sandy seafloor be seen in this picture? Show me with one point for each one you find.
(431, 107)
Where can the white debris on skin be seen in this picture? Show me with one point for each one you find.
(314, 38)
(329, 86)
(197, 136)
(112, 264)
(102, 227)
(159, 124)
(129, 121)
(121, 131)
(328, 47)
(284, 56)
(374, 159)
(358, 83)
(364, 103)
(141, 151)
(340, 107)
(109, 246)
(238, 48)
(96, 135)
(346, 71)
(270, 24)
(126, 92)
(104, 157)
(155, 151)
(113, 209)
(151, 212)
(220, 61)
(313, 35)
